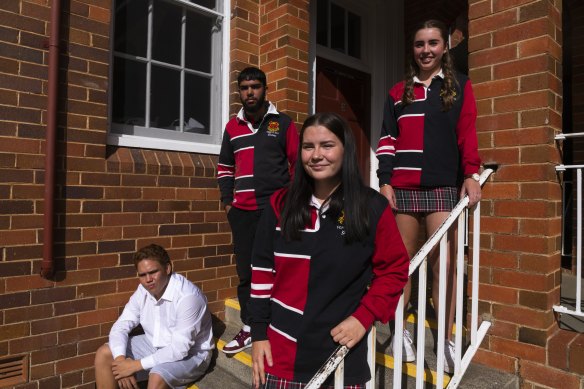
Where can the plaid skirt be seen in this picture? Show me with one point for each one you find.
(273, 382)
(439, 199)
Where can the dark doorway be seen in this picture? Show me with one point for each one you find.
(347, 92)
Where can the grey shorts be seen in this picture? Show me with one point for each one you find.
(176, 374)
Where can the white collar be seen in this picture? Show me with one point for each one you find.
(439, 74)
(271, 110)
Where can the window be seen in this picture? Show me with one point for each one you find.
(338, 28)
(167, 78)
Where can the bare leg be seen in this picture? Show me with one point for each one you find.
(156, 382)
(409, 226)
(104, 378)
(433, 222)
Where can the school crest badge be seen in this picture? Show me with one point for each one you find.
(273, 128)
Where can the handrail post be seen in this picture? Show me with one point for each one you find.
(462, 220)
(579, 240)
(441, 311)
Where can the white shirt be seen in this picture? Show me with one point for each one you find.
(179, 324)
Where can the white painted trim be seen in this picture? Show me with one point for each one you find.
(144, 142)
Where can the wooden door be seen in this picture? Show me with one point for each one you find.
(347, 92)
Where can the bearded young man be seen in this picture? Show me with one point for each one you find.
(177, 343)
(258, 153)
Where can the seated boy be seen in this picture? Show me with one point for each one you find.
(177, 343)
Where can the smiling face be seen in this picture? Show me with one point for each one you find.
(322, 157)
(252, 94)
(429, 47)
(154, 276)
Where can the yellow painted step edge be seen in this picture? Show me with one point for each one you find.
(411, 318)
(380, 359)
(410, 369)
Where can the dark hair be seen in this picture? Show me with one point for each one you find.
(153, 252)
(350, 197)
(251, 73)
(448, 91)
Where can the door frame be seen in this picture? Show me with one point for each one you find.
(382, 57)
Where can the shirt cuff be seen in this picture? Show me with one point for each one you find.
(147, 362)
(365, 317)
(259, 331)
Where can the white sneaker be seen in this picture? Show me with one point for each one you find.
(408, 352)
(449, 355)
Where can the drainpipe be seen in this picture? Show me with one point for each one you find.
(47, 265)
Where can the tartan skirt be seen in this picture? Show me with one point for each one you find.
(274, 382)
(439, 199)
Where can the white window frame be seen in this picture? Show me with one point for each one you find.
(200, 143)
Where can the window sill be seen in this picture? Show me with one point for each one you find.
(161, 144)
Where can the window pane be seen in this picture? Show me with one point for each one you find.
(354, 35)
(165, 98)
(131, 27)
(198, 42)
(128, 103)
(322, 22)
(337, 28)
(205, 3)
(166, 36)
(197, 104)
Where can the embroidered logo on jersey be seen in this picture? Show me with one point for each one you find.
(341, 222)
(273, 128)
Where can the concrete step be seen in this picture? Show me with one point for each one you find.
(476, 376)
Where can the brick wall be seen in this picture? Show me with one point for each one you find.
(515, 64)
(109, 201)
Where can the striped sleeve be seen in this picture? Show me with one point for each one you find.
(226, 170)
(390, 273)
(386, 147)
(466, 132)
(262, 275)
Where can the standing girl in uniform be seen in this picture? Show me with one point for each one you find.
(428, 155)
(320, 244)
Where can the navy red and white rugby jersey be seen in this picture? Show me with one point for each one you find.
(254, 162)
(302, 289)
(423, 146)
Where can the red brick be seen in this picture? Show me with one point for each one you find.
(517, 173)
(498, 294)
(493, 22)
(115, 300)
(539, 263)
(499, 361)
(525, 208)
(558, 346)
(75, 363)
(524, 351)
(576, 354)
(75, 335)
(537, 300)
(52, 354)
(97, 317)
(548, 376)
(40, 371)
(543, 227)
(523, 280)
(521, 32)
(14, 331)
(26, 283)
(33, 343)
(523, 316)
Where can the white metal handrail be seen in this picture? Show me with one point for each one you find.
(419, 262)
(577, 311)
